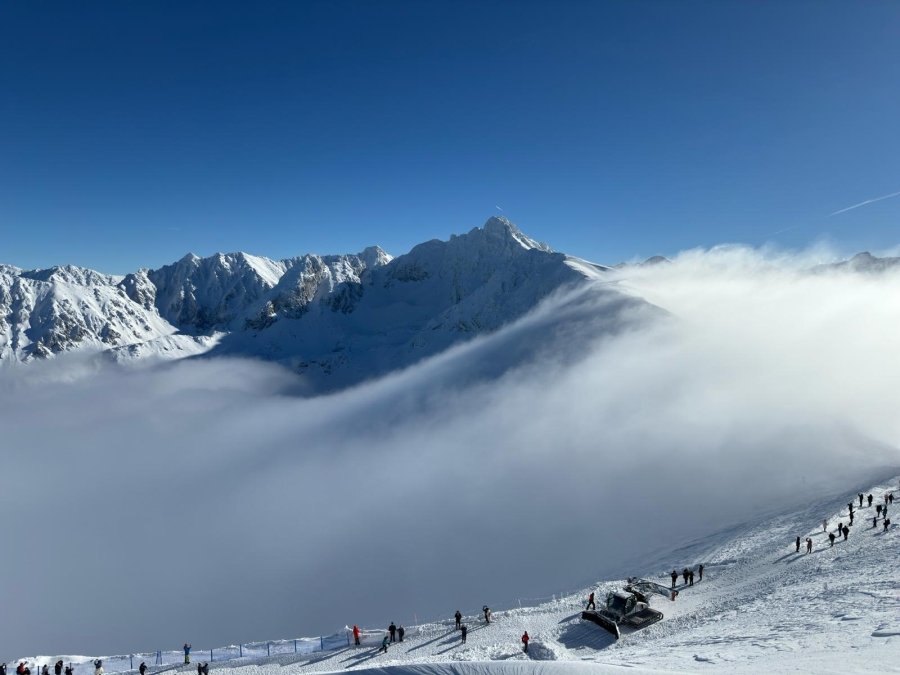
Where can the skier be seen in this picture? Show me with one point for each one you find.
(860, 495)
(808, 545)
(825, 525)
(700, 573)
(142, 669)
(831, 538)
(878, 509)
(458, 618)
(98, 667)
(355, 636)
(525, 639)
(464, 630)
(691, 578)
(870, 500)
(846, 531)
(400, 632)
(684, 574)
(591, 604)
(675, 574)
(887, 524)
(384, 644)
(798, 551)
(487, 614)
(187, 653)
(392, 629)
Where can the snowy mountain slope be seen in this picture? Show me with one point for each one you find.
(761, 607)
(863, 263)
(338, 319)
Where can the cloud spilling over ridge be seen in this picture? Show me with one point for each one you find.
(205, 502)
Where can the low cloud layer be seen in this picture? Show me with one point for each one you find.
(206, 502)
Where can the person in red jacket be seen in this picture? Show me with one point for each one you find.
(525, 639)
(356, 635)
(591, 604)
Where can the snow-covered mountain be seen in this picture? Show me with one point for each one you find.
(338, 318)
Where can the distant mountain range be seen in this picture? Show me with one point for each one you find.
(338, 319)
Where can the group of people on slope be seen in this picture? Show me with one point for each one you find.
(881, 511)
(23, 669)
(687, 574)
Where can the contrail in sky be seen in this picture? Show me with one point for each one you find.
(498, 208)
(868, 201)
(849, 208)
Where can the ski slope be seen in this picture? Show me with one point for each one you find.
(761, 607)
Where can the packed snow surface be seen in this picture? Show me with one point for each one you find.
(761, 607)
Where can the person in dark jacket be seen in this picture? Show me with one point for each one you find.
(2, 669)
(808, 545)
(58, 668)
(400, 632)
(384, 644)
(142, 669)
(70, 670)
(525, 639)
(851, 517)
(45, 670)
(591, 604)
(887, 524)
(700, 573)
(675, 574)
(870, 500)
(798, 551)
(831, 538)
(690, 577)
(846, 531)
(487, 614)
(205, 669)
(860, 495)
(464, 629)
(684, 574)
(199, 668)
(878, 509)
(392, 629)
(20, 668)
(874, 521)
(458, 618)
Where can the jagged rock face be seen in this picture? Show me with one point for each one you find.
(344, 317)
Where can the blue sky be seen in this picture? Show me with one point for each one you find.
(132, 133)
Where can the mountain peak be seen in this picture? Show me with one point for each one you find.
(501, 227)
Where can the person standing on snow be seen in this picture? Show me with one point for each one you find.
(691, 578)
(199, 668)
(525, 639)
(825, 525)
(355, 636)
(384, 644)
(70, 670)
(870, 500)
(831, 538)
(808, 545)
(98, 667)
(58, 668)
(798, 551)
(458, 618)
(464, 630)
(887, 524)
(187, 653)
(846, 531)
(700, 573)
(851, 517)
(20, 668)
(591, 604)
(891, 498)
(874, 521)
(392, 629)
(205, 669)
(45, 670)
(684, 574)
(142, 669)
(675, 574)
(487, 614)
(878, 509)
(860, 495)
(2, 669)
(400, 632)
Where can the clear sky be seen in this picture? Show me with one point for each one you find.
(134, 132)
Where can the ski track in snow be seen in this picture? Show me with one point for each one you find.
(761, 607)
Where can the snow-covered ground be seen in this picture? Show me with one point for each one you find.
(761, 607)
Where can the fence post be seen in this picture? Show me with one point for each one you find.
(132, 662)
(295, 646)
(348, 639)
(241, 650)
(210, 655)
(322, 643)
(268, 649)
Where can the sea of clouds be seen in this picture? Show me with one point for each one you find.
(209, 501)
